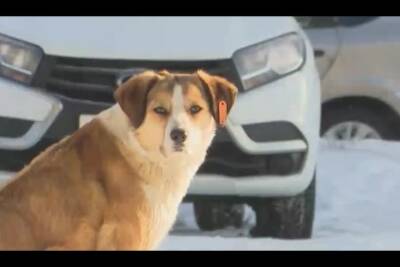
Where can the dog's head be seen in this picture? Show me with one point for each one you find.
(175, 113)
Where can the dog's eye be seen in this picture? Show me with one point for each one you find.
(195, 109)
(160, 110)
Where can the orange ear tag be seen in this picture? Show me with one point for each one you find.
(222, 112)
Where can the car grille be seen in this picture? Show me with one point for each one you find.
(95, 79)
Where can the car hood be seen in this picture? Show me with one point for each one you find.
(147, 38)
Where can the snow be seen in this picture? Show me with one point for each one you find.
(358, 206)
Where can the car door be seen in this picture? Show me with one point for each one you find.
(324, 37)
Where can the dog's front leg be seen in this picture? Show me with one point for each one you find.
(81, 239)
(121, 236)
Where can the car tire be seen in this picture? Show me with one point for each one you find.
(212, 215)
(286, 217)
(380, 122)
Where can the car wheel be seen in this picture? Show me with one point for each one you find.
(213, 215)
(356, 123)
(286, 217)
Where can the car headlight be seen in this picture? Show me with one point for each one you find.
(18, 60)
(267, 61)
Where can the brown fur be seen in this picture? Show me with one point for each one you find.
(73, 196)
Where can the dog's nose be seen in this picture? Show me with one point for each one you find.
(178, 135)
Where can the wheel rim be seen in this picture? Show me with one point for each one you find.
(351, 131)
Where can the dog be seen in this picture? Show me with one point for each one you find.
(117, 182)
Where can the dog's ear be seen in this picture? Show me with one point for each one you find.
(132, 96)
(222, 94)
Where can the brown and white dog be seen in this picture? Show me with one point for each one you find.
(117, 182)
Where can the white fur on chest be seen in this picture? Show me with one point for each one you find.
(164, 199)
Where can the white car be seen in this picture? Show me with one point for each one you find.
(358, 61)
(55, 72)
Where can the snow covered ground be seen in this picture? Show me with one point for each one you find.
(358, 206)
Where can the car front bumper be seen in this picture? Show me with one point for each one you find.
(294, 100)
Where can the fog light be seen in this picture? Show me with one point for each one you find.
(285, 164)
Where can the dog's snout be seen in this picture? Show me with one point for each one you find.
(178, 135)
